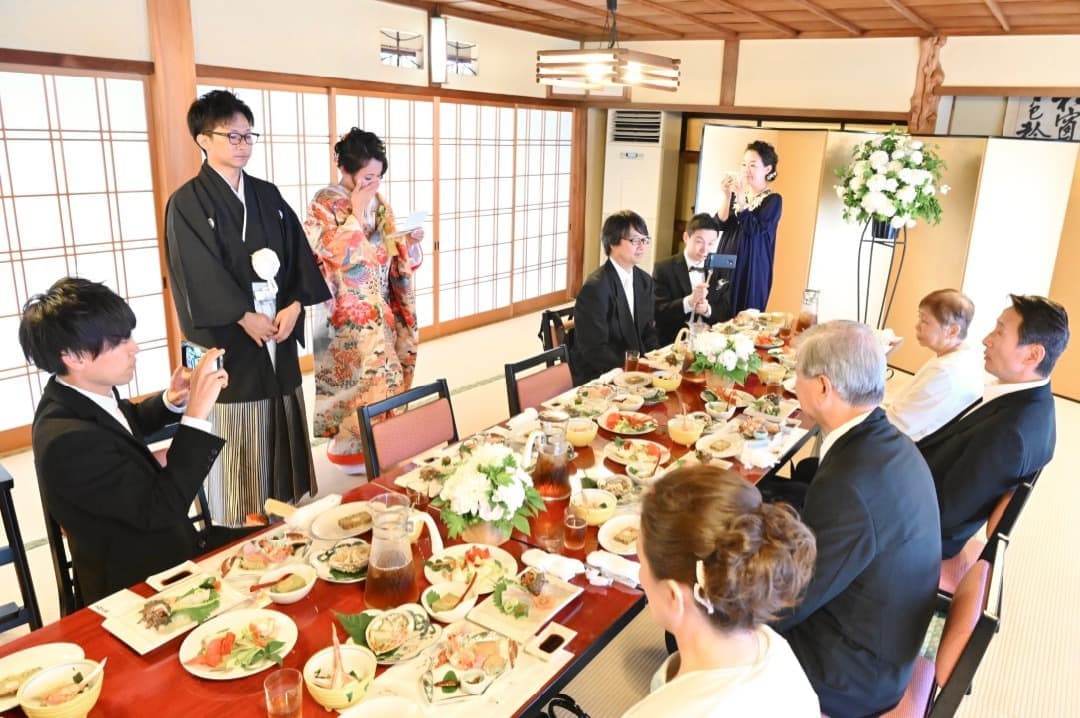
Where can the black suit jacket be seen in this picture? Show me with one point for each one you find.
(672, 284)
(125, 516)
(858, 630)
(603, 326)
(977, 458)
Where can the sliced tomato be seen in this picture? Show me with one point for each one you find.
(256, 637)
(651, 449)
(611, 421)
(214, 651)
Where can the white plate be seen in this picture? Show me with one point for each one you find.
(789, 384)
(629, 379)
(321, 561)
(422, 633)
(44, 656)
(733, 449)
(499, 564)
(787, 408)
(638, 444)
(325, 525)
(607, 532)
(278, 541)
(382, 706)
(649, 424)
(488, 615)
(236, 621)
(130, 629)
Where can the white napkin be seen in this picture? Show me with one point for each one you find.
(757, 454)
(301, 518)
(608, 376)
(522, 420)
(612, 567)
(559, 566)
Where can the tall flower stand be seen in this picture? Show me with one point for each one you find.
(879, 234)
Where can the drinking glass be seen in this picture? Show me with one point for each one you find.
(808, 313)
(632, 358)
(284, 691)
(574, 527)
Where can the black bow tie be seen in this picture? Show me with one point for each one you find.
(697, 269)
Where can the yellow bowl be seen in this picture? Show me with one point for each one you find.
(357, 659)
(666, 380)
(771, 373)
(581, 432)
(595, 505)
(684, 430)
(52, 679)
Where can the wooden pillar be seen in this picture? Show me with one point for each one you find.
(729, 73)
(578, 174)
(929, 76)
(174, 156)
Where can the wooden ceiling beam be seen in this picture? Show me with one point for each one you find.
(724, 32)
(911, 16)
(451, 10)
(757, 17)
(622, 18)
(525, 10)
(830, 16)
(995, 9)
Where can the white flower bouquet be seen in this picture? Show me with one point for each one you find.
(892, 178)
(489, 486)
(728, 355)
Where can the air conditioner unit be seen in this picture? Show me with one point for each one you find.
(641, 172)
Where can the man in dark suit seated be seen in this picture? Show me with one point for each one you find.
(871, 506)
(680, 282)
(124, 514)
(1008, 435)
(614, 309)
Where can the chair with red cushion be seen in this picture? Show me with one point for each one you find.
(936, 688)
(405, 434)
(527, 391)
(1002, 521)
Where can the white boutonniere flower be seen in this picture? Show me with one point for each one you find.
(266, 264)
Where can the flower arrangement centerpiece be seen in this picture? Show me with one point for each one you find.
(892, 179)
(489, 487)
(728, 356)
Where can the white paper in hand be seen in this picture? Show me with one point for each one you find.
(414, 221)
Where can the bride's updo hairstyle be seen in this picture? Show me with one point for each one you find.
(755, 558)
(358, 147)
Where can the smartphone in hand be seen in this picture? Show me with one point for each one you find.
(191, 353)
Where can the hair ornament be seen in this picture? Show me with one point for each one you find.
(699, 588)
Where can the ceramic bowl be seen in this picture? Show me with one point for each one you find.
(52, 679)
(720, 410)
(596, 505)
(356, 659)
(685, 430)
(305, 571)
(666, 380)
(474, 681)
(440, 589)
(581, 432)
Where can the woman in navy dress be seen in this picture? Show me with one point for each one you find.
(748, 215)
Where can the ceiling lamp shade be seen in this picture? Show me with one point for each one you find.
(605, 67)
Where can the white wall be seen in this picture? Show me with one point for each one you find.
(102, 28)
(1033, 60)
(1019, 213)
(701, 66)
(872, 74)
(507, 58)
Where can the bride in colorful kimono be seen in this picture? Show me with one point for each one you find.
(365, 346)
(241, 273)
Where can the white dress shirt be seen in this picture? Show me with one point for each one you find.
(941, 389)
(111, 407)
(832, 436)
(627, 280)
(997, 389)
(239, 192)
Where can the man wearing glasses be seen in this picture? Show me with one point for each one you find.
(241, 271)
(1010, 433)
(613, 313)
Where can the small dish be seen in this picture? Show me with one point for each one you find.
(720, 410)
(581, 432)
(668, 380)
(627, 402)
(305, 571)
(359, 665)
(475, 681)
(685, 430)
(33, 691)
(619, 535)
(595, 505)
(453, 588)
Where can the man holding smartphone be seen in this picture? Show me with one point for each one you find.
(680, 281)
(124, 513)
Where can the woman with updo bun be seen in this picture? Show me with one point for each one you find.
(749, 214)
(365, 344)
(714, 582)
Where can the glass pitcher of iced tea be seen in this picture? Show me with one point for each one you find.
(391, 578)
(551, 479)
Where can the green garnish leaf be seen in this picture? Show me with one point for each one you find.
(450, 676)
(355, 624)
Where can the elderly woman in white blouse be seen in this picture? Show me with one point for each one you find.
(950, 381)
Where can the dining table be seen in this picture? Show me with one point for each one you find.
(157, 684)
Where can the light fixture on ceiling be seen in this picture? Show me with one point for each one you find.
(437, 49)
(606, 67)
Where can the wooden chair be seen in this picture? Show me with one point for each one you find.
(557, 327)
(13, 614)
(524, 392)
(1001, 522)
(937, 687)
(406, 434)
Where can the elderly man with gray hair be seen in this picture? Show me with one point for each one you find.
(871, 504)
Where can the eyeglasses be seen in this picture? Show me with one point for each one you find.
(235, 137)
(639, 241)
